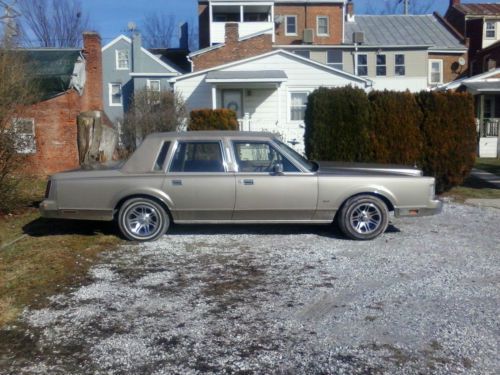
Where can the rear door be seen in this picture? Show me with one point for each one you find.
(198, 183)
(264, 195)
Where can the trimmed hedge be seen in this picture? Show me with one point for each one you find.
(213, 119)
(435, 131)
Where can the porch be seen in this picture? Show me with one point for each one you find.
(488, 119)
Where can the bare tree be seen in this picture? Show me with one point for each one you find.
(152, 112)
(9, 18)
(397, 7)
(53, 23)
(17, 91)
(159, 30)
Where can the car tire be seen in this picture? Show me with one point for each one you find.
(363, 217)
(142, 219)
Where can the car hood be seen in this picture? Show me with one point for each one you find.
(351, 169)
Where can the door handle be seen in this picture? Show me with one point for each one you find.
(177, 182)
(247, 182)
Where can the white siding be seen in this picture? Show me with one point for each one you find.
(413, 84)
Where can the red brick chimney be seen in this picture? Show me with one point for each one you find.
(232, 33)
(92, 93)
(349, 10)
(454, 2)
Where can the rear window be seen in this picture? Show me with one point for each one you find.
(160, 160)
(197, 157)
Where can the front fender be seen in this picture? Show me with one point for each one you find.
(368, 189)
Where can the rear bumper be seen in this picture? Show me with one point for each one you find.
(48, 209)
(433, 208)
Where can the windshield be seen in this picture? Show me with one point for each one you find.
(311, 166)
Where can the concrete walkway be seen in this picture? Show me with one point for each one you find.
(486, 176)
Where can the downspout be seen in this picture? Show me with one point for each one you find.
(190, 63)
(356, 59)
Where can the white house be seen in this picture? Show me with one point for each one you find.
(268, 92)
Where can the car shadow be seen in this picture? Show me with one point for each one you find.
(42, 227)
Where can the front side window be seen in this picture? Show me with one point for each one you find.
(322, 25)
(303, 53)
(24, 135)
(381, 65)
(334, 59)
(291, 25)
(122, 59)
(362, 65)
(197, 157)
(399, 65)
(490, 30)
(115, 94)
(435, 71)
(260, 157)
(298, 104)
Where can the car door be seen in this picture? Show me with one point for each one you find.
(198, 183)
(262, 194)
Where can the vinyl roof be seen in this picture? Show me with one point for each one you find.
(482, 9)
(402, 30)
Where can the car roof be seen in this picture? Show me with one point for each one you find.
(212, 134)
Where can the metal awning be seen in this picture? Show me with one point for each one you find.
(261, 76)
(483, 87)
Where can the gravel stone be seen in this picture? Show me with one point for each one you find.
(421, 299)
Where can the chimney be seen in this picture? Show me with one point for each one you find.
(232, 33)
(184, 36)
(349, 11)
(454, 2)
(92, 93)
(136, 53)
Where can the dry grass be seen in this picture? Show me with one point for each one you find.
(473, 188)
(491, 165)
(52, 255)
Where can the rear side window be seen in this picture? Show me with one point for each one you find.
(160, 160)
(197, 157)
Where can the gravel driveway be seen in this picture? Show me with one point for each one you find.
(422, 299)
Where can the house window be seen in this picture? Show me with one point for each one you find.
(362, 65)
(491, 30)
(298, 104)
(153, 85)
(24, 135)
(435, 71)
(303, 53)
(399, 65)
(122, 59)
(334, 58)
(290, 25)
(322, 26)
(381, 65)
(115, 95)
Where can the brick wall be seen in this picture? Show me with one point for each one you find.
(92, 94)
(233, 49)
(451, 69)
(306, 18)
(203, 25)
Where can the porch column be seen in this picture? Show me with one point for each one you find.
(214, 97)
(481, 115)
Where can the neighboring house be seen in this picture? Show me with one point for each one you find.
(480, 23)
(129, 67)
(70, 83)
(268, 92)
(396, 52)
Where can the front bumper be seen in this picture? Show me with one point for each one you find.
(433, 208)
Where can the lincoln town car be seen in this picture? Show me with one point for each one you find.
(241, 178)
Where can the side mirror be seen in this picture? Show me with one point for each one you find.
(278, 168)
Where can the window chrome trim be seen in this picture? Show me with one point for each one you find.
(178, 142)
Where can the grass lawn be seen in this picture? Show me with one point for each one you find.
(489, 164)
(473, 188)
(47, 256)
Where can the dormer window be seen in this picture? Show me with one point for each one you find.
(491, 30)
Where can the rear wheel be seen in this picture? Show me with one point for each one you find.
(363, 217)
(142, 219)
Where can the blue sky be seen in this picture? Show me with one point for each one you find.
(110, 17)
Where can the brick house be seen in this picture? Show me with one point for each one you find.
(394, 51)
(71, 82)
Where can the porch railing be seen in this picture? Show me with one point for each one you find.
(489, 127)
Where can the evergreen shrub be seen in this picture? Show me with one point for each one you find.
(213, 119)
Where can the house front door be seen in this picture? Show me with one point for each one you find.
(232, 99)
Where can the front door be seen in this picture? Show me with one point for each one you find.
(232, 99)
(264, 195)
(198, 182)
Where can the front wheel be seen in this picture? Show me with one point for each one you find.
(142, 219)
(363, 217)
